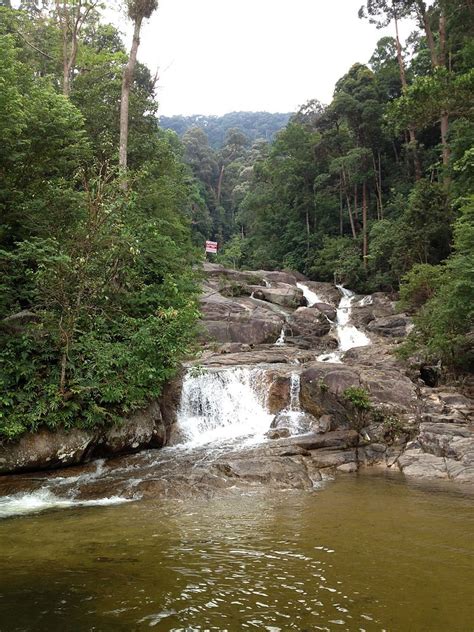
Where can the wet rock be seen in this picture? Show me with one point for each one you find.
(46, 449)
(324, 424)
(295, 422)
(327, 292)
(278, 472)
(144, 429)
(278, 433)
(326, 309)
(234, 347)
(279, 393)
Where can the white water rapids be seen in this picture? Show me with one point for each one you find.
(348, 335)
(223, 405)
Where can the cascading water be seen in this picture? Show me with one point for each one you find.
(348, 335)
(281, 338)
(310, 296)
(222, 405)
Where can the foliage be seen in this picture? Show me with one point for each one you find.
(97, 290)
(358, 397)
(254, 125)
(446, 320)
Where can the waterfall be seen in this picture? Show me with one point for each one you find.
(348, 335)
(220, 405)
(281, 338)
(310, 296)
(295, 387)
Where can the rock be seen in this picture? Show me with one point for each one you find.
(238, 320)
(279, 393)
(416, 463)
(284, 294)
(348, 467)
(327, 292)
(322, 388)
(297, 423)
(144, 429)
(279, 277)
(276, 472)
(397, 326)
(340, 439)
(16, 323)
(453, 441)
(45, 449)
(326, 309)
(234, 347)
(306, 321)
(324, 424)
(278, 433)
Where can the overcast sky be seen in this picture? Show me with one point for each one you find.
(217, 56)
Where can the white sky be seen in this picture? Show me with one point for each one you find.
(217, 56)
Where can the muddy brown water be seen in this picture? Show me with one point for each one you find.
(367, 552)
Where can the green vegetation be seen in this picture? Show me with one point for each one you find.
(97, 293)
(370, 187)
(255, 125)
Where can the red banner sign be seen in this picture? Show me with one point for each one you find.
(211, 246)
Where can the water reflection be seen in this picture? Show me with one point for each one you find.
(365, 553)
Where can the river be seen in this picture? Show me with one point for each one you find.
(367, 552)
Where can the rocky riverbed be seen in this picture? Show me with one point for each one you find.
(297, 381)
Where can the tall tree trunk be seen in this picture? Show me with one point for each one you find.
(437, 61)
(351, 218)
(411, 128)
(341, 208)
(127, 80)
(364, 224)
(219, 186)
(71, 19)
(429, 33)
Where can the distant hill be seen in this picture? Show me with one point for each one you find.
(253, 124)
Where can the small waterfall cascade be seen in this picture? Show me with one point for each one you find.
(309, 295)
(222, 405)
(295, 387)
(348, 335)
(281, 338)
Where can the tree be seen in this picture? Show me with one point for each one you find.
(71, 16)
(138, 10)
(388, 11)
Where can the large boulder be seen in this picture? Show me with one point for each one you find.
(238, 320)
(397, 326)
(282, 294)
(47, 449)
(328, 310)
(368, 308)
(306, 321)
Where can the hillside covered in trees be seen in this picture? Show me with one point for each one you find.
(374, 189)
(96, 282)
(255, 125)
